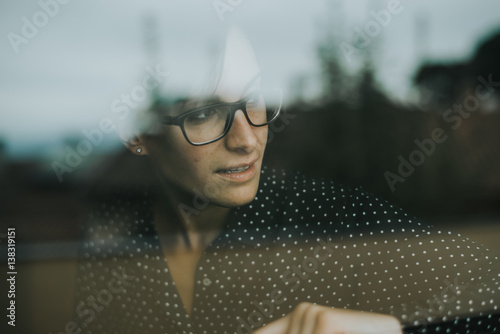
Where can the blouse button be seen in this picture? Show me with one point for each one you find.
(207, 281)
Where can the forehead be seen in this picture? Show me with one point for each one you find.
(192, 103)
(239, 70)
(201, 78)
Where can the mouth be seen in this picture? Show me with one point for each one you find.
(234, 170)
(241, 172)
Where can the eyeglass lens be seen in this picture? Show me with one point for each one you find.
(210, 123)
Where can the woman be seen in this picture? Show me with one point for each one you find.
(226, 245)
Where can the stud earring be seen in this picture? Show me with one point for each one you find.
(139, 150)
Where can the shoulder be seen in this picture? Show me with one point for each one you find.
(375, 215)
(305, 200)
(300, 188)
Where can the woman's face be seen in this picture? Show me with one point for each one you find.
(225, 172)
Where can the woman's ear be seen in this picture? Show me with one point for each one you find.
(135, 145)
(133, 142)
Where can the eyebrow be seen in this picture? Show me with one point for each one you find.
(200, 102)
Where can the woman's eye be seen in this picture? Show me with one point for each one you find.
(201, 116)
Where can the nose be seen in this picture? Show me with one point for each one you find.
(241, 136)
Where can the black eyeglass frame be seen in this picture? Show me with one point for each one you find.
(234, 107)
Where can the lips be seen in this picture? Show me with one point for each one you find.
(240, 173)
(239, 168)
(234, 170)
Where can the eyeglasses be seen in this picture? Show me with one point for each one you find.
(208, 124)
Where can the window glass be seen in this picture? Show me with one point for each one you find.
(369, 179)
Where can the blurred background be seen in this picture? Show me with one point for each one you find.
(365, 84)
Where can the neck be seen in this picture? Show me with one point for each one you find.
(204, 227)
(184, 225)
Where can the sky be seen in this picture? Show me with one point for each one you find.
(64, 77)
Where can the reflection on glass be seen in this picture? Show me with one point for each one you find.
(161, 188)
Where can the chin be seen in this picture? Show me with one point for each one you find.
(238, 196)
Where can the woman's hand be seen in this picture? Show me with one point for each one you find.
(309, 318)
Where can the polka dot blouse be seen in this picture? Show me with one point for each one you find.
(300, 240)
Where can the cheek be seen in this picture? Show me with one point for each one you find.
(167, 150)
(180, 159)
(203, 157)
(262, 134)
